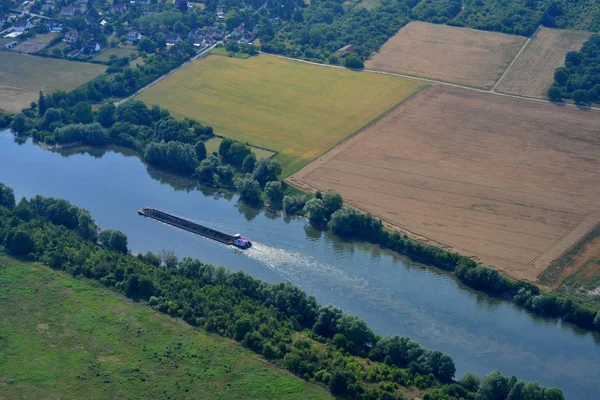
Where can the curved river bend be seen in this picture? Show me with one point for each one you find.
(392, 294)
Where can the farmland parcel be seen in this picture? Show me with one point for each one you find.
(458, 55)
(296, 109)
(533, 72)
(23, 76)
(511, 182)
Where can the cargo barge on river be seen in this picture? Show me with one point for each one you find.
(181, 223)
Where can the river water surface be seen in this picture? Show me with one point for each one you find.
(392, 294)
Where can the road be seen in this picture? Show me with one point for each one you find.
(154, 82)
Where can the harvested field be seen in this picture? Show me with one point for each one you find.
(458, 55)
(23, 76)
(295, 109)
(513, 183)
(533, 72)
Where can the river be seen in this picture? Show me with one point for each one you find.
(391, 293)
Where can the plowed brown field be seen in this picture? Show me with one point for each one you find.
(450, 54)
(533, 72)
(513, 183)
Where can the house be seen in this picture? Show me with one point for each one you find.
(74, 53)
(348, 49)
(118, 9)
(47, 7)
(92, 47)
(143, 2)
(67, 11)
(10, 45)
(220, 16)
(181, 4)
(132, 36)
(54, 26)
(71, 36)
(22, 25)
(172, 38)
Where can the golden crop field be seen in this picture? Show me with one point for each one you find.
(23, 76)
(295, 109)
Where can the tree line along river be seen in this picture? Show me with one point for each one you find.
(391, 293)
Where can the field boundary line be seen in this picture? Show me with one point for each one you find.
(595, 216)
(512, 63)
(418, 78)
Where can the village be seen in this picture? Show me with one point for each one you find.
(100, 32)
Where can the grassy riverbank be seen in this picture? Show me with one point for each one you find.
(62, 337)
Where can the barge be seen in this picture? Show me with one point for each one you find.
(181, 223)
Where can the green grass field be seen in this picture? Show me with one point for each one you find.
(67, 338)
(105, 54)
(23, 76)
(296, 109)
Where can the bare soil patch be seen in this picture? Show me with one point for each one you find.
(450, 54)
(510, 182)
(29, 47)
(533, 72)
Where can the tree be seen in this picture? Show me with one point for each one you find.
(42, 107)
(494, 386)
(106, 115)
(51, 116)
(561, 75)
(315, 211)
(332, 201)
(7, 196)
(249, 189)
(19, 242)
(23, 210)
(200, 149)
(146, 45)
(114, 240)
(169, 258)
(554, 93)
(470, 381)
(83, 113)
(87, 226)
(224, 146)
(580, 96)
(338, 384)
(236, 154)
(20, 123)
(249, 163)
(353, 62)
(266, 170)
(274, 193)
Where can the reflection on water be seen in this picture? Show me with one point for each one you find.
(391, 293)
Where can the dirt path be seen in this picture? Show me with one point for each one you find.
(516, 57)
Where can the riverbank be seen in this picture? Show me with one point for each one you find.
(279, 321)
(391, 293)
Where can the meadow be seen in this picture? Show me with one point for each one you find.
(295, 109)
(23, 76)
(62, 337)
